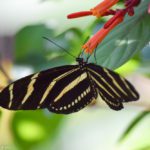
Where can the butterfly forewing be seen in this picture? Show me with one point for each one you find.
(28, 92)
(51, 88)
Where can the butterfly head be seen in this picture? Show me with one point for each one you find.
(80, 61)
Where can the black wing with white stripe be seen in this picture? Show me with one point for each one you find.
(62, 90)
(68, 89)
(30, 89)
(113, 88)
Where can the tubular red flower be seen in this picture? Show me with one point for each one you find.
(130, 11)
(109, 12)
(132, 3)
(102, 33)
(102, 9)
(79, 14)
(119, 14)
(88, 13)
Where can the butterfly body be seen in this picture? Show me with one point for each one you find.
(68, 89)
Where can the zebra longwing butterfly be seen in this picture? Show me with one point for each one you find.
(68, 89)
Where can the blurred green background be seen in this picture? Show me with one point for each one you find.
(24, 51)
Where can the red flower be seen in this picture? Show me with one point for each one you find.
(103, 9)
(102, 33)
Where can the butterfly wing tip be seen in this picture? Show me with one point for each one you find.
(135, 98)
(118, 108)
(138, 97)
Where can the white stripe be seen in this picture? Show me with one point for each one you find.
(52, 84)
(115, 82)
(11, 94)
(104, 81)
(30, 88)
(108, 101)
(126, 85)
(101, 86)
(71, 85)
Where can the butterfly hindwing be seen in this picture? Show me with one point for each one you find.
(113, 88)
(74, 96)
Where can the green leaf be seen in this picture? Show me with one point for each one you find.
(128, 67)
(133, 124)
(126, 39)
(145, 54)
(30, 45)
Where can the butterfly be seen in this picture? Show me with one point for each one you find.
(68, 89)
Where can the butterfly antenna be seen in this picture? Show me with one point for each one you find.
(81, 53)
(59, 46)
(95, 54)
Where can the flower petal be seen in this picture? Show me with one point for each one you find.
(103, 7)
(79, 14)
(100, 35)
